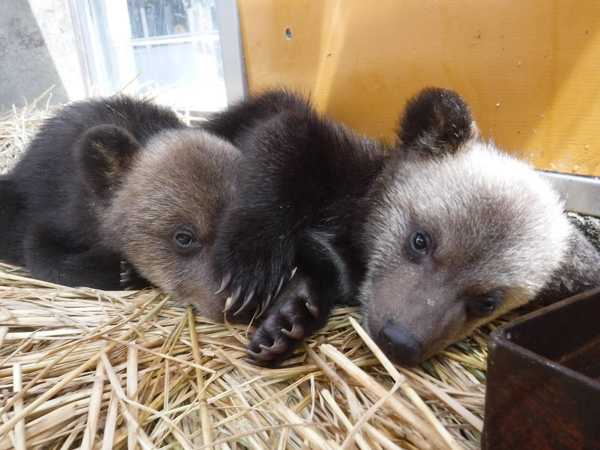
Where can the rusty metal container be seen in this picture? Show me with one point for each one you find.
(543, 388)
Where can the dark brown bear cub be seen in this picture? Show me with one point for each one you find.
(120, 182)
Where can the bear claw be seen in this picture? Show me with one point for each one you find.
(265, 306)
(277, 347)
(246, 303)
(129, 278)
(234, 299)
(262, 356)
(313, 310)
(249, 296)
(224, 283)
(297, 332)
(279, 286)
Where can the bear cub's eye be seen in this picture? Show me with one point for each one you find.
(185, 239)
(420, 242)
(484, 305)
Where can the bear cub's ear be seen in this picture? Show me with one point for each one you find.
(106, 153)
(435, 122)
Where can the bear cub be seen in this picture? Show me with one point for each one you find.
(119, 192)
(433, 238)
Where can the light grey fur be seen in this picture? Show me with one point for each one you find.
(495, 224)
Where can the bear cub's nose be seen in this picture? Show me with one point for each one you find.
(399, 344)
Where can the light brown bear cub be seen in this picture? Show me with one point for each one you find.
(120, 182)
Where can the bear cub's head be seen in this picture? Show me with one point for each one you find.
(458, 233)
(159, 205)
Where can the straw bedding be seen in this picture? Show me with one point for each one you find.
(92, 369)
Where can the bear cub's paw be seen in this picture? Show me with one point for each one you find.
(292, 318)
(130, 279)
(254, 282)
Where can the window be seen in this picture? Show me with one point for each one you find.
(189, 51)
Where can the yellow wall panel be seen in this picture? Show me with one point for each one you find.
(529, 69)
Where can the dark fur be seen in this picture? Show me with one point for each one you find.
(302, 173)
(238, 122)
(321, 281)
(312, 194)
(579, 271)
(50, 202)
(436, 122)
(12, 204)
(105, 189)
(302, 178)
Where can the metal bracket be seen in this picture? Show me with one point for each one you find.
(581, 194)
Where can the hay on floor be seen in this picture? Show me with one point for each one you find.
(92, 369)
(81, 367)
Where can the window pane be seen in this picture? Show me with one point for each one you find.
(174, 43)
